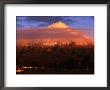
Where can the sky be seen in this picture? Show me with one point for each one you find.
(44, 21)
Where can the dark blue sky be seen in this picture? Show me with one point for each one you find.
(44, 21)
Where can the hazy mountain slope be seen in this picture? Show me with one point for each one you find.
(53, 35)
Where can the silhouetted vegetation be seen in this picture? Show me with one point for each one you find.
(68, 57)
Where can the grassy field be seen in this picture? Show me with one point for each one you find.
(55, 59)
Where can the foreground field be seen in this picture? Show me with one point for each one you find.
(55, 59)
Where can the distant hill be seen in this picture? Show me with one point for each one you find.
(51, 36)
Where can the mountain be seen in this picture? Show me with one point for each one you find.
(58, 25)
(56, 32)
